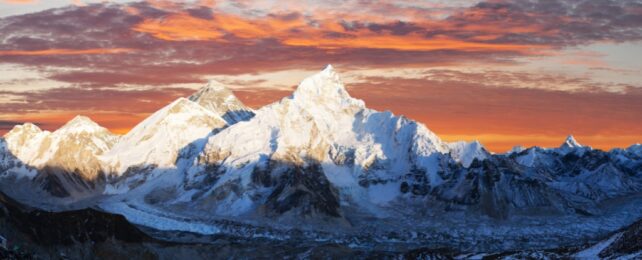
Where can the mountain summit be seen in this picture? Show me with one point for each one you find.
(81, 124)
(322, 163)
(326, 89)
(221, 101)
(317, 136)
(570, 142)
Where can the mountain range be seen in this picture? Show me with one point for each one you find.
(319, 165)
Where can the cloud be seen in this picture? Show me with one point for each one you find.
(183, 43)
(293, 30)
(62, 52)
(498, 24)
(109, 55)
(83, 98)
(466, 107)
(461, 107)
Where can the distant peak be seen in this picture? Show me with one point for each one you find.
(516, 149)
(29, 126)
(220, 100)
(329, 72)
(24, 128)
(328, 69)
(79, 119)
(81, 124)
(324, 87)
(571, 142)
(212, 90)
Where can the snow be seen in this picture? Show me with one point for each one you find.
(158, 139)
(635, 149)
(593, 251)
(516, 149)
(571, 142)
(23, 141)
(571, 145)
(529, 159)
(81, 124)
(383, 193)
(320, 123)
(156, 220)
(77, 139)
(221, 101)
(467, 152)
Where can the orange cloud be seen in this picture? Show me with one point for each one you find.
(180, 28)
(501, 117)
(63, 52)
(407, 44)
(297, 32)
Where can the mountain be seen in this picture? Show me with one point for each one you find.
(307, 154)
(67, 159)
(321, 160)
(319, 165)
(635, 149)
(24, 141)
(570, 143)
(466, 152)
(221, 101)
(157, 140)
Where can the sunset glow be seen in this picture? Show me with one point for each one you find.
(505, 73)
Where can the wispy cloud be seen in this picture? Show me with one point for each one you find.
(62, 52)
(471, 62)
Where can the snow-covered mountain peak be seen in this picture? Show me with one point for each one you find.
(636, 149)
(570, 142)
(81, 124)
(467, 152)
(157, 140)
(26, 128)
(516, 149)
(325, 88)
(23, 139)
(220, 100)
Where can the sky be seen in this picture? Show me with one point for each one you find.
(502, 72)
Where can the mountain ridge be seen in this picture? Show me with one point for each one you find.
(321, 159)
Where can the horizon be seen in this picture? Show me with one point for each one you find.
(504, 73)
(125, 131)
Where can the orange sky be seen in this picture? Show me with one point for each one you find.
(510, 121)
(503, 72)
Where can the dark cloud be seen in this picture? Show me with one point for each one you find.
(547, 23)
(554, 22)
(201, 12)
(398, 28)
